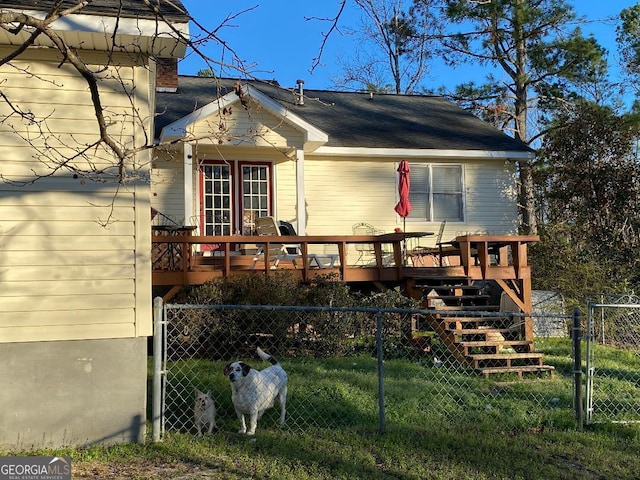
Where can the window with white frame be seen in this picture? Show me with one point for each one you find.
(216, 205)
(436, 192)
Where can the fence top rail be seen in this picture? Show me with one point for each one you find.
(618, 305)
(310, 308)
(411, 311)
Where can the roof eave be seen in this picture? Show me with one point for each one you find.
(96, 32)
(423, 153)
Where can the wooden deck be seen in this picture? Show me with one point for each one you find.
(182, 259)
(481, 342)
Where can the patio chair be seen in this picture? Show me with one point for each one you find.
(159, 220)
(440, 232)
(437, 253)
(287, 229)
(365, 250)
(279, 252)
(319, 259)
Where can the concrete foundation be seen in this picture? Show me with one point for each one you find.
(72, 393)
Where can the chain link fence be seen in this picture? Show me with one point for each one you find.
(613, 360)
(349, 368)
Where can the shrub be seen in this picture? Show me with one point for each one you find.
(318, 333)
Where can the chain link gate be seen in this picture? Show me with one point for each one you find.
(348, 368)
(613, 360)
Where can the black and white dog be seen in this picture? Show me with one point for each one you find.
(253, 391)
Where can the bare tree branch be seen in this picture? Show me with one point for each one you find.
(60, 154)
(325, 36)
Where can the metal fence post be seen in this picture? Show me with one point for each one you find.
(157, 368)
(577, 367)
(381, 426)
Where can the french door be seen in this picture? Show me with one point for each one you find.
(233, 195)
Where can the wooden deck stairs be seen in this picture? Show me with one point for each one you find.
(488, 342)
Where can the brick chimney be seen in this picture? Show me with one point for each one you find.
(166, 74)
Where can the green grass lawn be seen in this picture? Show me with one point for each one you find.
(440, 424)
(437, 451)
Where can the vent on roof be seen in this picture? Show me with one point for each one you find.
(299, 92)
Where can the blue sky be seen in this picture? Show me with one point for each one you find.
(279, 43)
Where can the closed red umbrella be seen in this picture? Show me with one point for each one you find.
(403, 208)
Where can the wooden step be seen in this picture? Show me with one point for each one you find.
(489, 323)
(460, 298)
(520, 370)
(431, 279)
(483, 331)
(488, 343)
(470, 318)
(467, 308)
(509, 356)
(486, 360)
(461, 289)
(495, 346)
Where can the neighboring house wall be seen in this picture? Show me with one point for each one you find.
(74, 263)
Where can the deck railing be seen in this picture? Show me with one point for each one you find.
(178, 254)
(182, 253)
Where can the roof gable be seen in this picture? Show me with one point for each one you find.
(313, 137)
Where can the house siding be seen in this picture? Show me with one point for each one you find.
(365, 190)
(246, 127)
(492, 205)
(167, 185)
(285, 181)
(68, 263)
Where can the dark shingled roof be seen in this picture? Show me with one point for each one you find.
(172, 10)
(356, 119)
